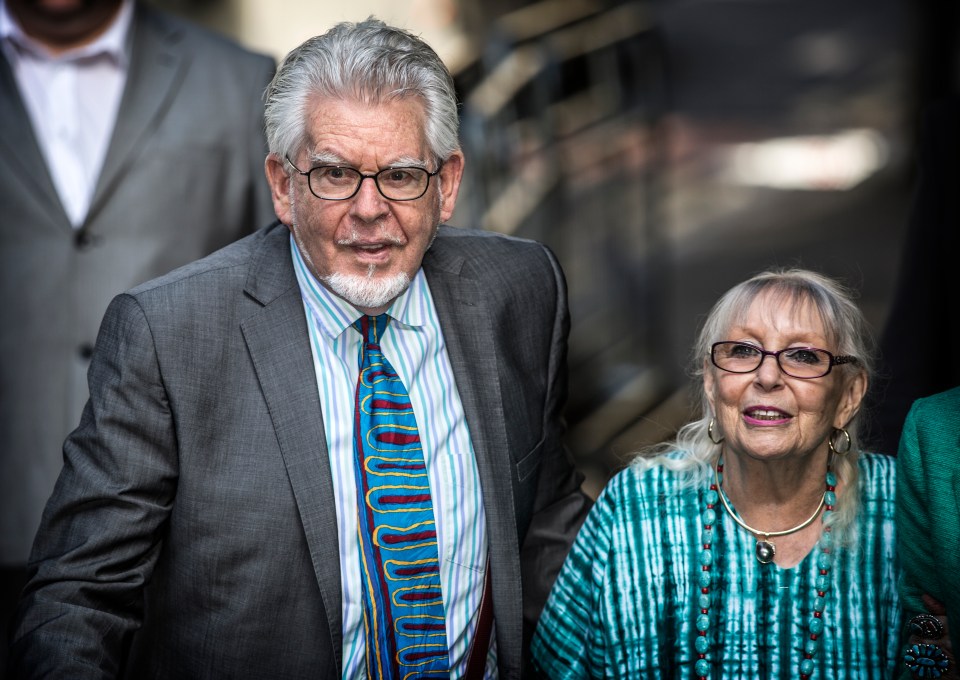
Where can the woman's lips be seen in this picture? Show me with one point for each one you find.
(765, 415)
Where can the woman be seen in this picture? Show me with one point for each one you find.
(928, 524)
(760, 543)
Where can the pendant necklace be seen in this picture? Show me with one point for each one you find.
(765, 550)
(706, 577)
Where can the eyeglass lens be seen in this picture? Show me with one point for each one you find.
(800, 362)
(398, 184)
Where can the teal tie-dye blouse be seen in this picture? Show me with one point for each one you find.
(624, 605)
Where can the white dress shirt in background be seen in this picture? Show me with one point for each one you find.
(72, 99)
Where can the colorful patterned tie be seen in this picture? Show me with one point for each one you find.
(403, 603)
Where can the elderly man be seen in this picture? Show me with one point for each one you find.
(331, 449)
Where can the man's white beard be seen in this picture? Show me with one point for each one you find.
(363, 292)
(367, 292)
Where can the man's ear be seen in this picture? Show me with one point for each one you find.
(279, 181)
(450, 175)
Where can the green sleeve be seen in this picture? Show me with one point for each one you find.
(913, 520)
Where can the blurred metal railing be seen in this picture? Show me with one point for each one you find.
(560, 127)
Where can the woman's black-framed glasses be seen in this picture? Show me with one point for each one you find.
(340, 182)
(797, 362)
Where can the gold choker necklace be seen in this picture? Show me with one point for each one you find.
(765, 549)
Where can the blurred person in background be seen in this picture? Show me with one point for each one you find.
(760, 543)
(928, 529)
(131, 142)
(332, 449)
(919, 318)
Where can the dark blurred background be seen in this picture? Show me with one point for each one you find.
(667, 150)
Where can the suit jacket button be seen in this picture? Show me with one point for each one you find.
(84, 239)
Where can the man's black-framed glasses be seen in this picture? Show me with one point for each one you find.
(797, 362)
(340, 182)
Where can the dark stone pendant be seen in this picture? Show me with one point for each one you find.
(765, 552)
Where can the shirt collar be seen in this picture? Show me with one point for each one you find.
(112, 42)
(334, 314)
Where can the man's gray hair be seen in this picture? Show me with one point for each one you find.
(367, 62)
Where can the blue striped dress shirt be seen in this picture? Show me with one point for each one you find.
(414, 346)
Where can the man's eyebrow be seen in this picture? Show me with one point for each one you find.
(407, 162)
(330, 158)
(326, 158)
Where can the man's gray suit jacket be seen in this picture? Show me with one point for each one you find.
(183, 176)
(193, 532)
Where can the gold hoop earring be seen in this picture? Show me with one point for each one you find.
(710, 432)
(834, 446)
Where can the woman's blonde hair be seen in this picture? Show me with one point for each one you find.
(847, 331)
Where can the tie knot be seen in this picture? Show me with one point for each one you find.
(372, 328)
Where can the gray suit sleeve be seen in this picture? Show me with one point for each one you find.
(560, 506)
(103, 526)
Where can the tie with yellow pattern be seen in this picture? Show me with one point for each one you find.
(402, 599)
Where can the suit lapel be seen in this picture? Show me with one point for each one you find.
(156, 70)
(277, 340)
(468, 333)
(20, 149)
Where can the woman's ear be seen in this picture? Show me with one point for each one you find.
(708, 385)
(850, 399)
